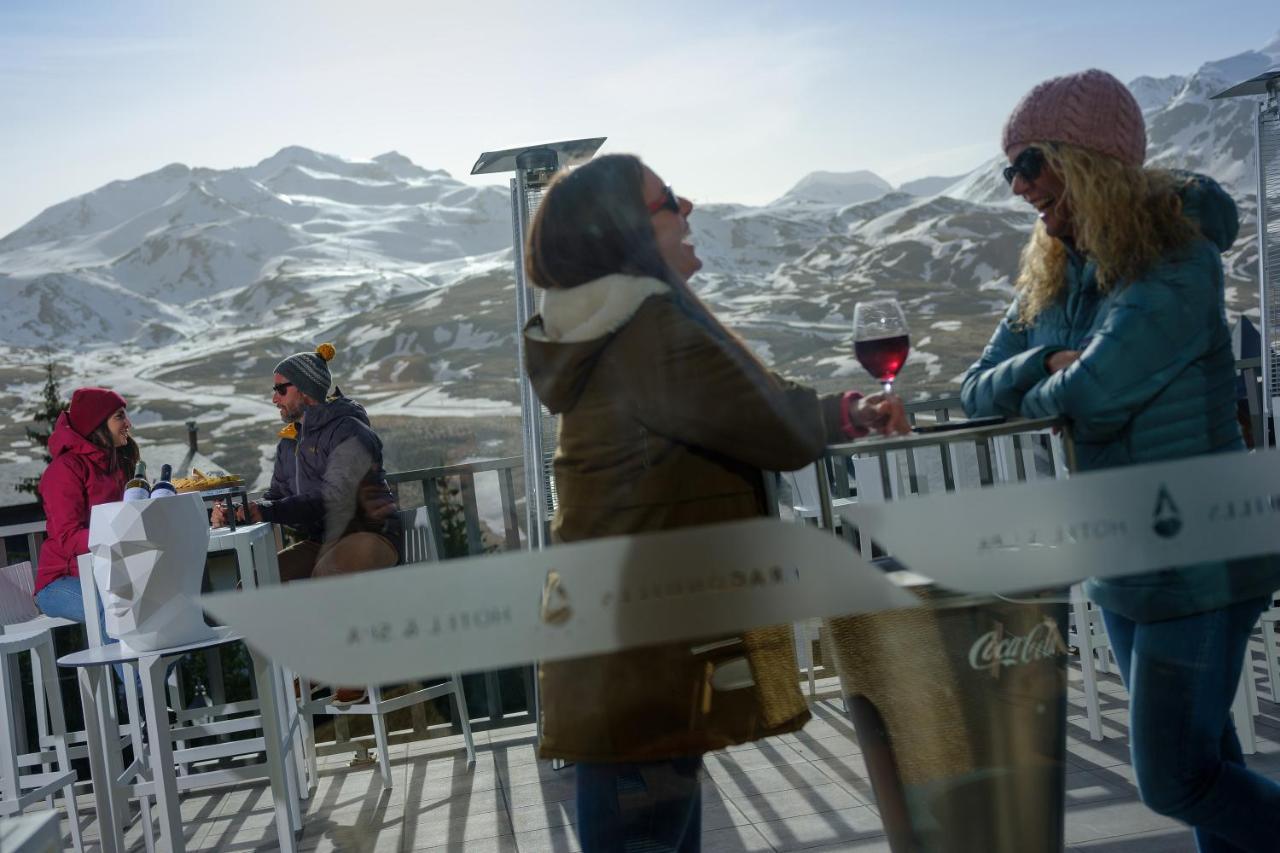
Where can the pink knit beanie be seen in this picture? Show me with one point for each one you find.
(1090, 109)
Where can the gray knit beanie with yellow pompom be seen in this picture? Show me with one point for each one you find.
(309, 371)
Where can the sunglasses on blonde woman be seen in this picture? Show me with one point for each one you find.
(1028, 164)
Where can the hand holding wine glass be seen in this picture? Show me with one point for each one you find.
(880, 339)
(882, 413)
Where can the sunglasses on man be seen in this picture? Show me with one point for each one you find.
(669, 201)
(282, 388)
(1028, 164)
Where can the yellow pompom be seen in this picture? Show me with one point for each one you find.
(326, 351)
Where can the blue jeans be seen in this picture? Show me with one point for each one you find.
(62, 598)
(1182, 675)
(653, 806)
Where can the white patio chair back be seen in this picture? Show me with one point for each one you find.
(806, 498)
(420, 543)
(17, 594)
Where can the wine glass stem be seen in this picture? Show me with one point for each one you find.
(888, 387)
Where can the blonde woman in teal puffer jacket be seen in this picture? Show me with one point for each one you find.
(1119, 325)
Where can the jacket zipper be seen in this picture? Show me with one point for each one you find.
(297, 472)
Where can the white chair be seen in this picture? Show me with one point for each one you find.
(1269, 620)
(419, 544)
(1089, 636)
(1244, 706)
(806, 506)
(19, 790)
(806, 499)
(19, 614)
(47, 692)
(17, 594)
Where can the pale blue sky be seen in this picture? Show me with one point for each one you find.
(729, 101)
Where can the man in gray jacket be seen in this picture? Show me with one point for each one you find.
(327, 483)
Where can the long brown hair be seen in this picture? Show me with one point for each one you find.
(593, 222)
(123, 458)
(1124, 217)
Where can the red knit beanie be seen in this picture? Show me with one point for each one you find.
(90, 407)
(1090, 109)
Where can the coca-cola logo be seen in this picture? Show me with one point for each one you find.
(996, 649)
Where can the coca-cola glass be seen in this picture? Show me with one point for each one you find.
(880, 339)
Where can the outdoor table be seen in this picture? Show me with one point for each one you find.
(255, 548)
(256, 564)
(93, 667)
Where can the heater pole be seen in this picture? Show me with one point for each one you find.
(533, 167)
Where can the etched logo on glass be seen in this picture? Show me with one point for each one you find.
(1166, 521)
(555, 600)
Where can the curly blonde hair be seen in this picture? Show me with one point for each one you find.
(1124, 217)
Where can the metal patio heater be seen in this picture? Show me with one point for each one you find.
(533, 166)
(1267, 160)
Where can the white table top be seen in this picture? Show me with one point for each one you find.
(116, 653)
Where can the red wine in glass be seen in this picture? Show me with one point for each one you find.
(880, 339)
(883, 357)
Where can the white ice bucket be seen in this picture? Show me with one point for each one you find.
(148, 560)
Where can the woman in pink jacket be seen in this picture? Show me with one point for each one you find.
(93, 457)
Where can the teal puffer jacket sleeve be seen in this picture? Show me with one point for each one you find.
(1008, 369)
(1150, 332)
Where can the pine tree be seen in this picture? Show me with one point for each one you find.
(45, 412)
(453, 521)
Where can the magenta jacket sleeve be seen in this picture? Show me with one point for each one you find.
(66, 505)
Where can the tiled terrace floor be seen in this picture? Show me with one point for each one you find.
(805, 791)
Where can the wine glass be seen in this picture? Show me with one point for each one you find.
(880, 339)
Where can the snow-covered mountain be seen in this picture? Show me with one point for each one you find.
(931, 185)
(184, 286)
(1185, 128)
(1189, 130)
(835, 188)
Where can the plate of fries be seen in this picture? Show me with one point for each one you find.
(200, 481)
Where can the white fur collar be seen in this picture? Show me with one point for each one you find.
(594, 309)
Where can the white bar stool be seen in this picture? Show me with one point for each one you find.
(20, 791)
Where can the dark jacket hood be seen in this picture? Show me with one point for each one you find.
(1207, 204)
(564, 342)
(64, 439)
(331, 411)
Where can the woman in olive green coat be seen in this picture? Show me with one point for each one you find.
(666, 421)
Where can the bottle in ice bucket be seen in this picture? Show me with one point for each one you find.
(163, 487)
(138, 489)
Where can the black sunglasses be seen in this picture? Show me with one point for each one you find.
(669, 201)
(1028, 164)
(281, 387)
